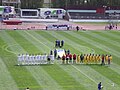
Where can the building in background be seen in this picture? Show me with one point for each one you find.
(47, 3)
(14, 3)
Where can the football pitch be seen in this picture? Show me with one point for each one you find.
(58, 76)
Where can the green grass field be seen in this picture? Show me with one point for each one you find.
(58, 76)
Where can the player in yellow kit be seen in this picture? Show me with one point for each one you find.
(84, 58)
(96, 58)
(90, 58)
(99, 58)
(78, 59)
(93, 58)
(106, 58)
(87, 59)
(109, 59)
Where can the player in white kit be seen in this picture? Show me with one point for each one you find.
(33, 59)
(27, 59)
(39, 59)
(19, 59)
(52, 59)
(44, 59)
(30, 59)
(23, 59)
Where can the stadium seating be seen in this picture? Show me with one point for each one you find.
(79, 15)
(74, 14)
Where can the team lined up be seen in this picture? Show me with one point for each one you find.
(32, 59)
(87, 59)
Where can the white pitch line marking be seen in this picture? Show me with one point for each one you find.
(36, 39)
(84, 74)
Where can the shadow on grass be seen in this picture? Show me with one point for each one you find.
(34, 65)
(87, 65)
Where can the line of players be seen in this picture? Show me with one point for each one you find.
(86, 59)
(32, 59)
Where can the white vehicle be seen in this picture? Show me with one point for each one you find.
(52, 13)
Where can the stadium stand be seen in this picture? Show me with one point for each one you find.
(93, 14)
